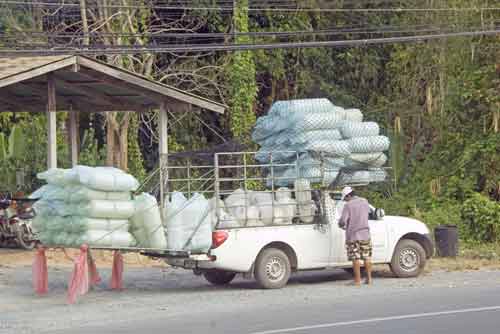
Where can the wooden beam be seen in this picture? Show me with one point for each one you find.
(73, 134)
(51, 123)
(149, 85)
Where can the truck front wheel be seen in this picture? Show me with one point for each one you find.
(272, 268)
(219, 277)
(408, 259)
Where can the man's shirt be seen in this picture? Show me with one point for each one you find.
(354, 219)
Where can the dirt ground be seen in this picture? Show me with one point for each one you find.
(63, 258)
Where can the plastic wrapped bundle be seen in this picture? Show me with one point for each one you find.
(267, 126)
(278, 153)
(354, 115)
(279, 212)
(357, 129)
(363, 176)
(81, 194)
(247, 215)
(97, 238)
(146, 223)
(304, 200)
(77, 224)
(312, 174)
(368, 144)
(360, 160)
(284, 108)
(188, 223)
(92, 209)
(258, 197)
(314, 135)
(339, 148)
(315, 121)
(105, 178)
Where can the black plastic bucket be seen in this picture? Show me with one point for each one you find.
(446, 237)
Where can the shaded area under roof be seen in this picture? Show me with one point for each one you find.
(86, 85)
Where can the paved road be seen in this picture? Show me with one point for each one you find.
(314, 303)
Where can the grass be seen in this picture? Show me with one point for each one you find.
(470, 257)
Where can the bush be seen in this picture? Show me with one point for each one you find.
(445, 214)
(481, 219)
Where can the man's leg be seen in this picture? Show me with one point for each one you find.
(356, 268)
(368, 269)
(366, 254)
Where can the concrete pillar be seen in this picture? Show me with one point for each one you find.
(51, 122)
(163, 150)
(73, 135)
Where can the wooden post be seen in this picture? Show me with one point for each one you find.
(51, 123)
(73, 134)
(163, 150)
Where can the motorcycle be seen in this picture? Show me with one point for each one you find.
(15, 223)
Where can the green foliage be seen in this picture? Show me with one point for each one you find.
(135, 160)
(481, 219)
(90, 154)
(241, 81)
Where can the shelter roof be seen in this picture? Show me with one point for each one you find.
(85, 84)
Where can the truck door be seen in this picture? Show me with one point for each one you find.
(338, 254)
(378, 233)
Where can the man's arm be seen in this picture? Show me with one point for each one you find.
(344, 219)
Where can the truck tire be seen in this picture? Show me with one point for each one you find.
(218, 277)
(272, 268)
(408, 259)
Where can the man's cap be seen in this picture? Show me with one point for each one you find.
(346, 191)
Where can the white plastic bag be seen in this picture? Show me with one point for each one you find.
(146, 223)
(105, 178)
(97, 238)
(188, 223)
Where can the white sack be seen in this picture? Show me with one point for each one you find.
(96, 238)
(105, 178)
(146, 223)
(359, 129)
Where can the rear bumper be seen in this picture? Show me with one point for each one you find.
(191, 262)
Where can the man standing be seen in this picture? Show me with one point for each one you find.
(354, 221)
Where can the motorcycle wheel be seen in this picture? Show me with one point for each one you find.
(25, 238)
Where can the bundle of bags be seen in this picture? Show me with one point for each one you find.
(315, 139)
(94, 206)
(190, 222)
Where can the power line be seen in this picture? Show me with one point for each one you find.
(243, 47)
(259, 9)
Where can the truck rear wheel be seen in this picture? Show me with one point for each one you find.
(272, 268)
(219, 277)
(408, 259)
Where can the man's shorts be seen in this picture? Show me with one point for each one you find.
(359, 250)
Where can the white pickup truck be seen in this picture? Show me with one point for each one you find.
(272, 253)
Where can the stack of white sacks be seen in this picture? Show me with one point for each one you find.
(190, 222)
(95, 206)
(320, 139)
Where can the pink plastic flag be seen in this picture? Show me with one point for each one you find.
(94, 274)
(117, 272)
(39, 272)
(79, 281)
